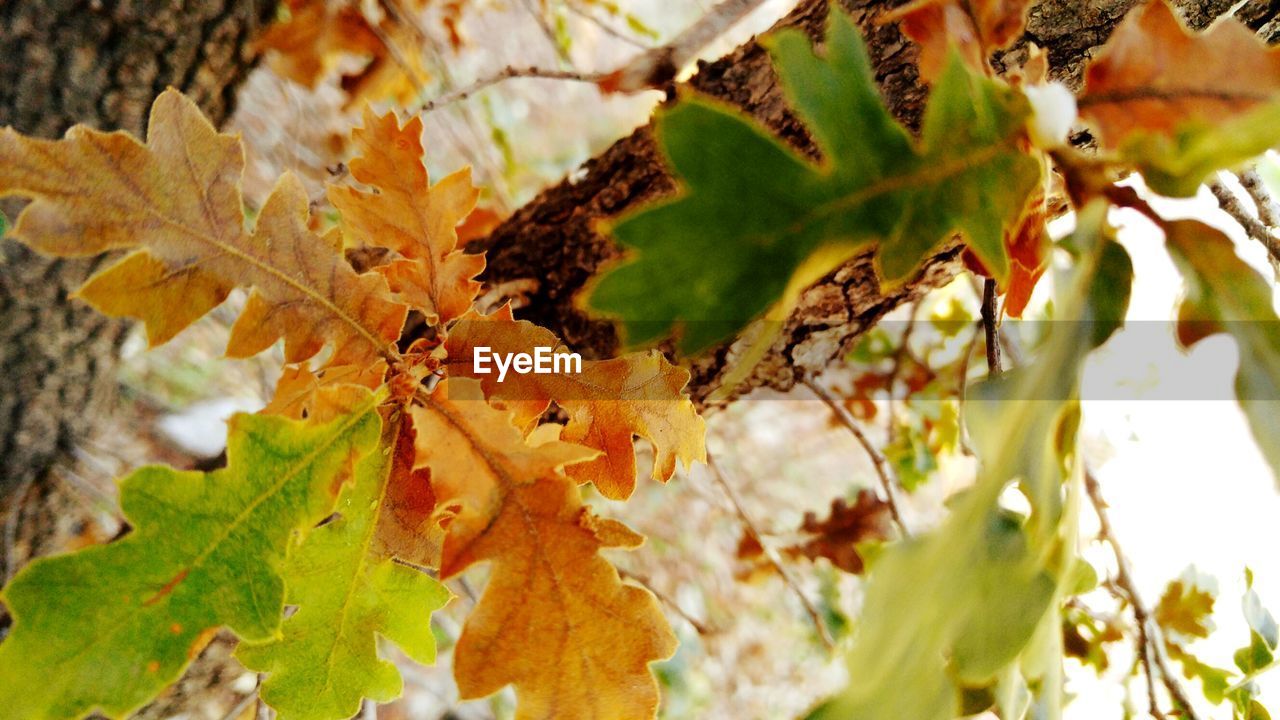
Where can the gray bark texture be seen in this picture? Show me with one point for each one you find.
(549, 248)
(98, 63)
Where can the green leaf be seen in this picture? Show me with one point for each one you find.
(1224, 294)
(110, 626)
(1176, 165)
(347, 593)
(964, 602)
(754, 214)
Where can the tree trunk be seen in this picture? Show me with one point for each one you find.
(101, 64)
(549, 248)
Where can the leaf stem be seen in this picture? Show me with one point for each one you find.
(990, 326)
(1150, 640)
(877, 458)
(770, 553)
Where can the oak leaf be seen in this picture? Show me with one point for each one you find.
(1180, 104)
(410, 216)
(607, 403)
(753, 216)
(348, 593)
(305, 393)
(177, 199)
(305, 45)
(1225, 295)
(555, 620)
(837, 536)
(110, 626)
(974, 28)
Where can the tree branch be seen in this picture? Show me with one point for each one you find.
(1150, 641)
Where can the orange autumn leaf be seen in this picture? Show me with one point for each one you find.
(608, 403)
(304, 393)
(1154, 75)
(548, 587)
(314, 36)
(410, 528)
(974, 28)
(411, 217)
(1028, 245)
(176, 201)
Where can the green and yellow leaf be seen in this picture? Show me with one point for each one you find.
(110, 626)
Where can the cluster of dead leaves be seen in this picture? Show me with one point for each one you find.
(474, 477)
(841, 537)
(316, 37)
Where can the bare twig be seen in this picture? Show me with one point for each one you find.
(1253, 227)
(19, 498)
(990, 320)
(535, 11)
(877, 458)
(508, 73)
(238, 709)
(902, 352)
(605, 27)
(369, 710)
(1150, 642)
(963, 392)
(749, 525)
(264, 710)
(651, 69)
(1268, 209)
(698, 626)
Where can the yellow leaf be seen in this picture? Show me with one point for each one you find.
(555, 620)
(177, 200)
(607, 403)
(410, 216)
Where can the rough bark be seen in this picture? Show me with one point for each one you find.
(85, 61)
(548, 249)
(99, 63)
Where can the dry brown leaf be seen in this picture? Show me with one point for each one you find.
(409, 527)
(555, 620)
(975, 28)
(608, 403)
(1153, 75)
(836, 537)
(303, 393)
(315, 35)
(177, 200)
(410, 216)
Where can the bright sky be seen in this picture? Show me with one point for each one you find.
(1186, 482)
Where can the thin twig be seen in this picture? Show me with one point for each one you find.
(990, 320)
(606, 28)
(1151, 643)
(770, 554)
(877, 458)
(902, 352)
(11, 528)
(507, 73)
(651, 69)
(369, 710)
(1253, 227)
(963, 392)
(1268, 209)
(238, 709)
(264, 710)
(698, 626)
(550, 34)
